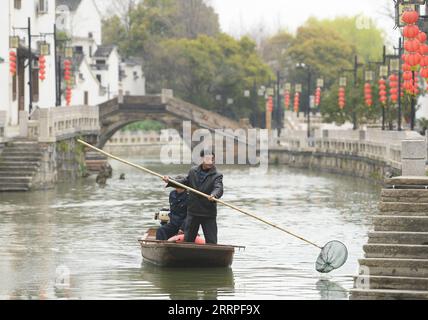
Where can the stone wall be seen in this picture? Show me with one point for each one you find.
(361, 167)
(61, 161)
(371, 154)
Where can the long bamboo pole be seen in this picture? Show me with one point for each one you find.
(199, 193)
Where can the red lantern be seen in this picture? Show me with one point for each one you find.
(423, 49)
(408, 75)
(410, 17)
(416, 86)
(424, 73)
(12, 62)
(422, 37)
(412, 45)
(424, 61)
(411, 31)
(413, 59)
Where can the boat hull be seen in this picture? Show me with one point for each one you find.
(177, 255)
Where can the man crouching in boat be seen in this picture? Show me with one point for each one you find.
(201, 211)
(178, 213)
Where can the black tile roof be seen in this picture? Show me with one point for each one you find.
(104, 51)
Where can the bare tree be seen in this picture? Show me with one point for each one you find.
(120, 8)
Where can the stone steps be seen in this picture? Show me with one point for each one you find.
(396, 251)
(403, 213)
(404, 196)
(407, 268)
(17, 167)
(20, 158)
(13, 179)
(13, 186)
(19, 162)
(417, 238)
(358, 294)
(24, 164)
(15, 173)
(403, 206)
(391, 283)
(401, 223)
(19, 153)
(14, 189)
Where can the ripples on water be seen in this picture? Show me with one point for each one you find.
(92, 233)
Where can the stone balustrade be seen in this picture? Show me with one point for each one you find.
(55, 124)
(371, 144)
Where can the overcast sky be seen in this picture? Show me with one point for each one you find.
(242, 16)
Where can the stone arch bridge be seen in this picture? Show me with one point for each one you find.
(119, 112)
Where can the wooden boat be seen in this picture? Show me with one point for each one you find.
(185, 255)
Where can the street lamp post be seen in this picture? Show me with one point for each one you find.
(308, 108)
(355, 74)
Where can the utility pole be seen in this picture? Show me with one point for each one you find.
(309, 101)
(400, 49)
(30, 69)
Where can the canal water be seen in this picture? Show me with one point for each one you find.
(79, 241)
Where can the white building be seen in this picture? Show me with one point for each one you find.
(83, 23)
(14, 90)
(132, 77)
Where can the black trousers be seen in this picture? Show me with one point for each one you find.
(166, 232)
(209, 226)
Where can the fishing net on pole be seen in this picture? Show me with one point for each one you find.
(332, 257)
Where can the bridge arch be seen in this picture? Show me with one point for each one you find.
(118, 113)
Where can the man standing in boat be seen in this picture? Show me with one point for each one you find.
(202, 211)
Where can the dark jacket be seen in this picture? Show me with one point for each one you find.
(211, 184)
(178, 208)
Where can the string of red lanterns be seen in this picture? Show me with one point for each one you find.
(269, 104)
(318, 97)
(67, 78)
(12, 62)
(42, 68)
(296, 102)
(415, 52)
(368, 94)
(287, 100)
(342, 98)
(382, 92)
(393, 88)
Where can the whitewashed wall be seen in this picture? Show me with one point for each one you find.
(90, 84)
(86, 19)
(5, 86)
(131, 85)
(40, 23)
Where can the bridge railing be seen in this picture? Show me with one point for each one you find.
(369, 144)
(56, 124)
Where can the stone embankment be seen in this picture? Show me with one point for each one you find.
(395, 265)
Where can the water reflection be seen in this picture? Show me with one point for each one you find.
(330, 290)
(180, 284)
